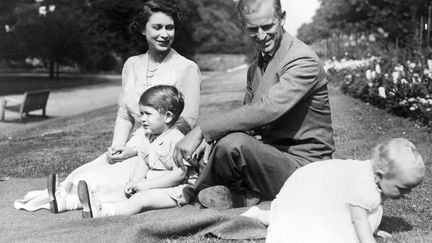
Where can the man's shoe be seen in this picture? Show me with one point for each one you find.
(220, 197)
(52, 188)
(92, 206)
(245, 198)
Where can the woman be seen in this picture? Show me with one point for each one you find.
(109, 173)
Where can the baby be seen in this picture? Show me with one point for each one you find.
(341, 200)
(156, 181)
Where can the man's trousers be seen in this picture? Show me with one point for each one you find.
(240, 161)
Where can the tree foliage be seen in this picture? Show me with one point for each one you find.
(94, 34)
(397, 20)
(219, 29)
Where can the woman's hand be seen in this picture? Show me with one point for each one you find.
(118, 154)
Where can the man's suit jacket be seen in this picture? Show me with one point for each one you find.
(287, 105)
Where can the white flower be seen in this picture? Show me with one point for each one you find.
(370, 84)
(395, 76)
(378, 68)
(412, 108)
(381, 92)
(423, 101)
(411, 100)
(42, 10)
(429, 63)
(403, 81)
(399, 68)
(373, 74)
(412, 65)
(368, 74)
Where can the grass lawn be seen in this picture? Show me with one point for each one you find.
(66, 144)
(18, 84)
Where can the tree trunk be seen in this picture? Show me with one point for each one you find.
(51, 68)
(57, 70)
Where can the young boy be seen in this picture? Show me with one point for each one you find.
(156, 181)
(341, 200)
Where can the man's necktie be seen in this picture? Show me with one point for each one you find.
(265, 61)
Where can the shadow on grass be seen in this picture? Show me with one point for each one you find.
(28, 119)
(394, 224)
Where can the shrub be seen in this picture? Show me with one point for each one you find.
(404, 89)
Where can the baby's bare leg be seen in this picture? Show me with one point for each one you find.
(256, 213)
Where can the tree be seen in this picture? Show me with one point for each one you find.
(55, 37)
(395, 19)
(219, 29)
(95, 34)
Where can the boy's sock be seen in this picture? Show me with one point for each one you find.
(108, 209)
(73, 202)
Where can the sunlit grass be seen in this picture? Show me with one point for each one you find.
(64, 145)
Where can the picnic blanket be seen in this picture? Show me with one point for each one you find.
(153, 226)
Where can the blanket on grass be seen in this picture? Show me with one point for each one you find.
(188, 223)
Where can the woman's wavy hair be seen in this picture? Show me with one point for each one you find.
(167, 7)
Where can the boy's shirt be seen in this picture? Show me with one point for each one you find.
(159, 156)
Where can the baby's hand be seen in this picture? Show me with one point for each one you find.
(383, 234)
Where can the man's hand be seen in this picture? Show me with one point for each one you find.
(205, 148)
(118, 154)
(185, 148)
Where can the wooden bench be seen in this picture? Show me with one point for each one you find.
(34, 100)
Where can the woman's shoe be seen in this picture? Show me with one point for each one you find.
(52, 188)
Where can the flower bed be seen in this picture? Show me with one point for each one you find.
(403, 89)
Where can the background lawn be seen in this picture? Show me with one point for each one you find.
(65, 144)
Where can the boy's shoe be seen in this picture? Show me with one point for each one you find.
(220, 197)
(52, 188)
(92, 206)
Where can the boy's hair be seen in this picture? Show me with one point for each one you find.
(164, 98)
(398, 150)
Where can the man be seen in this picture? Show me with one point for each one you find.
(285, 121)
